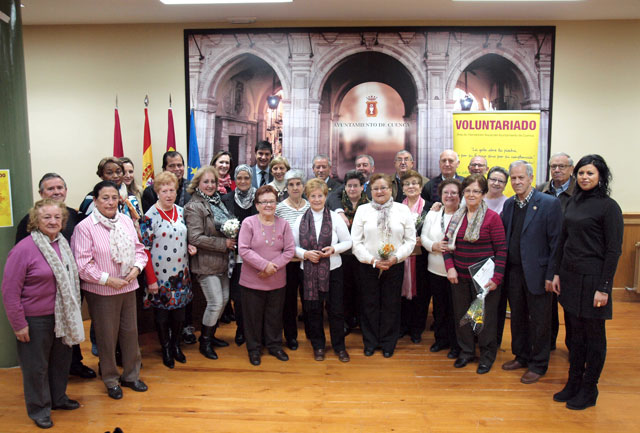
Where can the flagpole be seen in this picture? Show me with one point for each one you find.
(147, 155)
(171, 133)
(118, 150)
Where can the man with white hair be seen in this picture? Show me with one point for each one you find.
(321, 166)
(448, 163)
(478, 165)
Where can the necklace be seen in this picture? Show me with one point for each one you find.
(297, 206)
(172, 218)
(273, 233)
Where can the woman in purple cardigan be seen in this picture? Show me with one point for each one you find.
(266, 245)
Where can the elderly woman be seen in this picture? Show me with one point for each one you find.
(241, 204)
(110, 257)
(266, 245)
(112, 169)
(590, 247)
(384, 235)
(279, 166)
(497, 179)
(167, 271)
(348, 199)
(41, 295)
(321, 236)
(433, 232)
(290, 209)
(475, 233)
(415, 290)
(222, 161)
(205, 214)
(129, 179)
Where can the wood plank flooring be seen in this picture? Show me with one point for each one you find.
(415, 391)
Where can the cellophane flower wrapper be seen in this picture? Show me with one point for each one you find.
(231, 228)
(475, 313)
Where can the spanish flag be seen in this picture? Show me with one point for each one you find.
(147, 156)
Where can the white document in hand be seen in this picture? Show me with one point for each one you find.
(484, 274)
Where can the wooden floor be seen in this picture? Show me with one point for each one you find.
(415, 391)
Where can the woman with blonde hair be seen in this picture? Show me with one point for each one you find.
(278, 167)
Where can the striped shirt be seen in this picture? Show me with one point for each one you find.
(490, 243)
(90, 246)
(290, 214)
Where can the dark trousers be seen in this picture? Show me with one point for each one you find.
(413, 312)
(114, 318)
(444, 327)
(234, 295)
(76, 354)
(463, 294)
(555, 324)
(351, 284)
(502, 315)
(588, 348)
(380, 320)
(263, 318)
(44, 362)
(169, 323)
(530, 322)
(313, 314)
(290, 310)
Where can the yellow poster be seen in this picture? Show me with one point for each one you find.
(500, 136)
(6, 214)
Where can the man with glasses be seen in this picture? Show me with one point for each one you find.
(448, 163)
(403, 162)
(478, 165)
(563, 186)
(321, 166)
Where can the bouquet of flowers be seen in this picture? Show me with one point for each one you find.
(419, 222)
(384, 252)
(475, 313)
(231, 228)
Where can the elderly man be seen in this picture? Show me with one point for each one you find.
(532, 235)
(403, 162)
(260, 174)
(321, 166)
(563, 186)
(171, 161)
(478, 165)
(53, 186)
(448, 163)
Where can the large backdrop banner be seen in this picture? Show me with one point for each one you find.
(347, 91)
(500, 136)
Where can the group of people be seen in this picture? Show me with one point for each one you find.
(372, 251)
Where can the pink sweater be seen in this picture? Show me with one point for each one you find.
(256, 253)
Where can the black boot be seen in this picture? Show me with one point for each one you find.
(569, 391)
(216, 341)
(585, 398)
(163, 337)
(174, 342)
(206, 347)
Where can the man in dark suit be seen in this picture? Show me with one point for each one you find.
(532, 230)
(448, 163)
(260, 174)
(174, 162)
(403, 162)
(321, 166)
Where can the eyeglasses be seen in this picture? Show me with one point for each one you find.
(501, 182)
(410, 184)
(558, 166)
(380, 189)
(472, 191)
(407, 159)
(267, 203)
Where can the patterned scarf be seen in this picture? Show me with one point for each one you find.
(244, 199)
(383, 218)
(68, 317)
(473, 228)
(224, 184)
(349, 210)
(316, 275)
(220, 212)
(121, 245)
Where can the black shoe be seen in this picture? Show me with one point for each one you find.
(483, 368)
(387, 353)
(585, 398)
(462, 362)
(174, 342)
(301, 317)
(453, 354)
(437, 347)
(368, 352)
(569, 391)
(115, 392)
(254, 358)
(82, 371)
(292, 343)
(240, 338)
(279, 354)
(178, 355)
(188, 336)
(346, 330)
(206, 348)
(415, 339)
(67, 405)
(44, 422)
(216, 341)
(167, 356)
(225, 318)
(138, 385)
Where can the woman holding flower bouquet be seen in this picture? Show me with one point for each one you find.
(384, 235)
(205, 214)
(475, 233)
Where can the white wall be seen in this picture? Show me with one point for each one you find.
(74, 72)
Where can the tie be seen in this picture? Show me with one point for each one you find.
(263, 178)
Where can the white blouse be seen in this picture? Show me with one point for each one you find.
(433, 230)
(340, 237)
(367, 237)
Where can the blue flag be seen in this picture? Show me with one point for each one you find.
(194, 156)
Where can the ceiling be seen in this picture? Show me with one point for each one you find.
(38, 12)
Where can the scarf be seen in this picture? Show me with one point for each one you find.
(281, 188)
(410, 283)
(68, 317)
(244, 199)
(473, 228)
(121, 245)
(224, 183)
(316, 275)
(383, 218)
(220, 212)
(349, 210)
